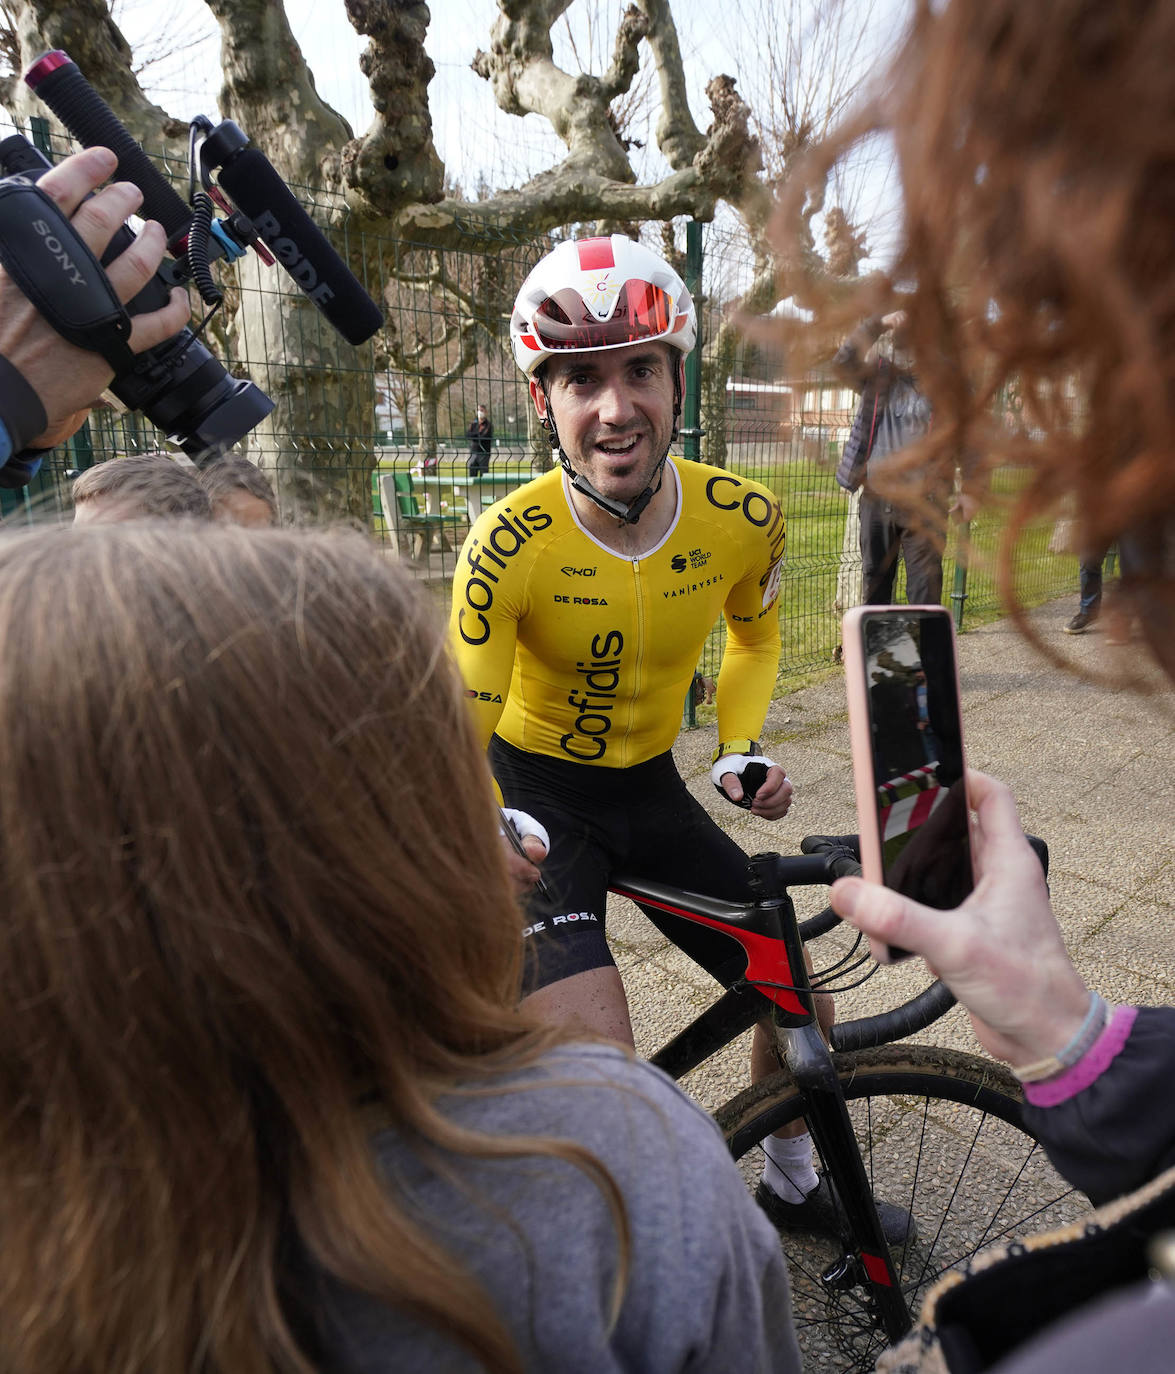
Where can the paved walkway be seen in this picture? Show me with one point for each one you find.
(1093, 769)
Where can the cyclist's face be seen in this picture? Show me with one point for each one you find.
(614, 413)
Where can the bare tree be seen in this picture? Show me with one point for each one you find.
(386, 186)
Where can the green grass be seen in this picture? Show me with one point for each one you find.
(815, 508)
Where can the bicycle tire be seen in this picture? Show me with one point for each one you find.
(956, 1155)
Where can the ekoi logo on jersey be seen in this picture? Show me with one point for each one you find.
(485, 559)
(595, 700)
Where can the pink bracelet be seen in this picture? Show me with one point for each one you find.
(1101, 1054)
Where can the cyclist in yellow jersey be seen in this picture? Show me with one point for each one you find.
(604, 644)
(580, 607)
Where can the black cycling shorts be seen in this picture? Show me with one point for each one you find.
(641, 821)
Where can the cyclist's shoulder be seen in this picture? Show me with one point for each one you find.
(515, 530)
(721, 496)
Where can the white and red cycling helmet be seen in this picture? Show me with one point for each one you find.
(591, 294)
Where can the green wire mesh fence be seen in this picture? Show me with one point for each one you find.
(379, 435)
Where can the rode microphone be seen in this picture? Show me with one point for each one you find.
(254, 186)
(245, 173)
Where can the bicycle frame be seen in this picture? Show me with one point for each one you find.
(776, 984)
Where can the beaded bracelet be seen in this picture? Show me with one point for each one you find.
(1090, 1029)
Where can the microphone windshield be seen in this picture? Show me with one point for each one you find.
(299, 245)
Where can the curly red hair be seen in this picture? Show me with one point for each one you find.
(1036, 150)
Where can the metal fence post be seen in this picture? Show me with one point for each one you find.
(962, 558)
(691, 431)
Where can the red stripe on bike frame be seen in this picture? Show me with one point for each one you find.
(595, 254)
(877, 1269)
(766, 958)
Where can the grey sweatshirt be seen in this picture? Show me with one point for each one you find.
(707, 1287)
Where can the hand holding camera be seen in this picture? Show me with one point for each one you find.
(68, 379)
(123, 320)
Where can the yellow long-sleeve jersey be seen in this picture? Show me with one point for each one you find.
(572, 650)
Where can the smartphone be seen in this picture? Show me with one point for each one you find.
(913, 812)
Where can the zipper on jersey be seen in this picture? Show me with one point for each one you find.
(639, 657)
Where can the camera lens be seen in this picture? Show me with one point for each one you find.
(184, 391)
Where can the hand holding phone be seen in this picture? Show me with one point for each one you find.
(913, 812)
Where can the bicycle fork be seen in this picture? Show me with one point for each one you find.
(867, 1262)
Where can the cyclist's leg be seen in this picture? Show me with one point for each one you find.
(570, 975)
(673, 839)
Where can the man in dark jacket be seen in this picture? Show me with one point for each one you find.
(480, 432)
(892, 414)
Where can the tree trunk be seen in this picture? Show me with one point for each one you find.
(427, 396)
(716, 369)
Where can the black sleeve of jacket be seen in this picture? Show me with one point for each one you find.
(1119, 1132)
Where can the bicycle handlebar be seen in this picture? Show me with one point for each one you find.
(912, 1016)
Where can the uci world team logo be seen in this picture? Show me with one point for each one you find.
(696, 559)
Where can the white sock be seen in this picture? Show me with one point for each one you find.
(788, 1170)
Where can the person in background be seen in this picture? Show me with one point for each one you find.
(1038, 249)
(1090, 605)
(270, 1101)
(240, 492)
(141, 486)
(893, 414)
(480, 434)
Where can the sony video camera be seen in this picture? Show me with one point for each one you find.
(180, 387)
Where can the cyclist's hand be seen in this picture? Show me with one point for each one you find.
(1000, 952)
(770, 798)
(527, 844)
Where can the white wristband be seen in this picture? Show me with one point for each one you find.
(525, 824)
(735, 763)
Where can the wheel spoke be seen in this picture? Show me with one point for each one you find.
(940, 1135)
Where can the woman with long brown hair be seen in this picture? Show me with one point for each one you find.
(268, 1100)
(1036, 148)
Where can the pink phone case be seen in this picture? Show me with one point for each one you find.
(860, 734)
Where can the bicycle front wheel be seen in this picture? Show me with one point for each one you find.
(940, 1134)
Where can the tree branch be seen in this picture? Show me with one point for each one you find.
(626, 57)
(86, 31)
(520, 67)
(677, 134)
(395, 162)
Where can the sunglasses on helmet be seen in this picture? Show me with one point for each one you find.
(565, 321)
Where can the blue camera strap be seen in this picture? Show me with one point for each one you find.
(42, 253)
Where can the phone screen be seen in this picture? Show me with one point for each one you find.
(916, 783)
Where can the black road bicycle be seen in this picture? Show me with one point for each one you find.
(937, 1131)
